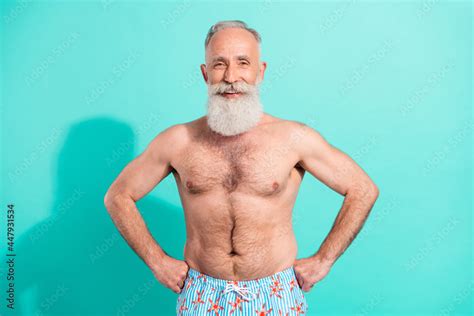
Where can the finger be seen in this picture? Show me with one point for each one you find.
(180, 284)
(176, 289)
(307, 286)
(302, 283)
(300, 280)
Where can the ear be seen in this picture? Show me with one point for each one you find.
(263, 67)
(204, 72)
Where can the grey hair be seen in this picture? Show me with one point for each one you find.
(231, 23)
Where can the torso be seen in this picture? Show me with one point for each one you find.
(238, 195)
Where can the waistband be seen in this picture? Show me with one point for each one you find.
(280, 279)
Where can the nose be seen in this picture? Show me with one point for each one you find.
(230, 74)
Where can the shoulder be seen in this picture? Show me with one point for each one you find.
(303, 138)
(292, 129)
(174, 134)
(172, 140)
(180, 134)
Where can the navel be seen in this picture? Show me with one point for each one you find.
(232, 252)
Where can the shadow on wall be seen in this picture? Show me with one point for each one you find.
(76, 262)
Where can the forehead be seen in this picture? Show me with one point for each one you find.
(231, 42)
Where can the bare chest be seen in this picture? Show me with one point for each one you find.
(257, 170)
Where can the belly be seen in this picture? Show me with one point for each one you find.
(240, 236)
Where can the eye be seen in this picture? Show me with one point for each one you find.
(244, 62)
(219, 64)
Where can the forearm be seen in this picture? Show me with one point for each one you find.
(133, 229)
(356, 207)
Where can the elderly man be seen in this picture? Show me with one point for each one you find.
(238, 171)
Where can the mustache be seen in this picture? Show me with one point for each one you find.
(235, 87)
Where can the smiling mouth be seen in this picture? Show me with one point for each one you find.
(230, 94)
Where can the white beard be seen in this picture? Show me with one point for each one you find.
(230, 117)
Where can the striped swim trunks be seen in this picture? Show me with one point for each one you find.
(278, 294)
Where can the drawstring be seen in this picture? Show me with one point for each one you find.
(243, 291)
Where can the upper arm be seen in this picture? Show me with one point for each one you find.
(329, 164)
(144, 172)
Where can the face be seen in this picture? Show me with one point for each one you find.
(233, 72)
(233, 55)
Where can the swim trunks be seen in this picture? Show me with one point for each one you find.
(278, 294)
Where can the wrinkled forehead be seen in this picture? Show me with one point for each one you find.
(231, 43)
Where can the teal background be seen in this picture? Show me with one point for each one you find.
(86, 85)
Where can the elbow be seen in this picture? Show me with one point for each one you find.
(114, 199)
(367, 190)
(373, 191)
(110, 199)
(376, 191)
